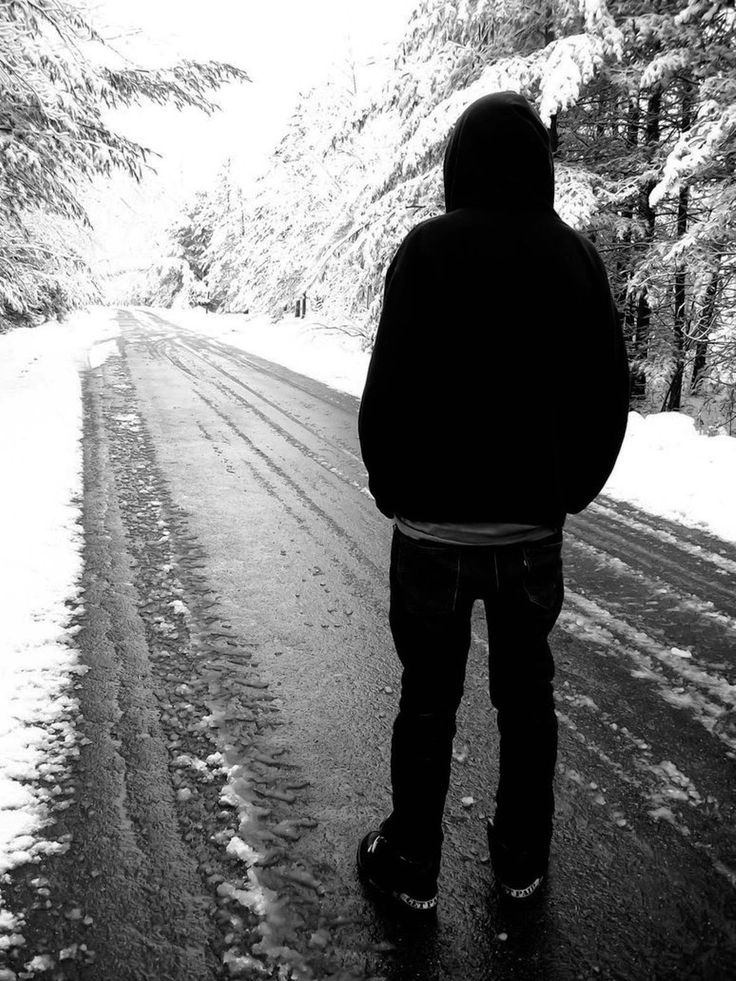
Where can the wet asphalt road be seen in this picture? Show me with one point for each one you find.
(242, 683)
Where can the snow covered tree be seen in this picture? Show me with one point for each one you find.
(168, 284)
(269, 250)
(357, 168)
(640, 99)
(226, 215)
(193, 234)
(654, 130)
(451, 55)
(58, 77)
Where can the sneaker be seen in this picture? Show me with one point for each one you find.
(411, 883)
(519, 872)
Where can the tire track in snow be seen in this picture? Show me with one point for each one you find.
(220, 815)
(223, 719)
(712, 699)
(610, 751)
(275, 490)
(664, 790)
(684, 621)
(341, 533)
(681, 541)
(688, 570)
(127, 896)
(198, 343)
(659, 786)
(288, 437)
(685, 602)
(670, 794)
(292, 442)
(320, 436)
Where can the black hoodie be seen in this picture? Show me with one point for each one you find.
(498, 385)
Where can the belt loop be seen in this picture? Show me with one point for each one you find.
(495, 569)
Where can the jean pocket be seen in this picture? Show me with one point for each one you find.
(425, 577)
(542, 580)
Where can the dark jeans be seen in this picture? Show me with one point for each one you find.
(433, 588)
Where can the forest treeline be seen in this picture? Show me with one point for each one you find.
(640, 99)
(59, 78)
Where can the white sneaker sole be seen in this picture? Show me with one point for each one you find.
(416, 905)
(523, 893)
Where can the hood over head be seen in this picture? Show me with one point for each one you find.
(499, 156)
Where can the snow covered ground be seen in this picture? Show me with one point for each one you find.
(41, 535)
(666, 467)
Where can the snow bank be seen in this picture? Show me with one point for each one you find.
(332, 357)
(667, 468)
(41, 535)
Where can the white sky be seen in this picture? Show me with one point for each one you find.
(284, 46)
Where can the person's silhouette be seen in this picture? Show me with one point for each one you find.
(495, 404)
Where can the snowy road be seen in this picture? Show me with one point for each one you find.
(241, 689)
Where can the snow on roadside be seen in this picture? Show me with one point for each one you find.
(42, 540)
(667, 468)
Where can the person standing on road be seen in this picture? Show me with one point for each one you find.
(495, 404)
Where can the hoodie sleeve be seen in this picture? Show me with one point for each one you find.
(380, 406)
(596, 390)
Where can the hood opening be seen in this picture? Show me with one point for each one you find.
(499, 156)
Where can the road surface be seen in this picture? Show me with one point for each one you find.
(235, 717)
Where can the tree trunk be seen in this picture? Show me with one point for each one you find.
(548, 27)
(648, 216)
(702, 332)
(624, 258)
(673, 399)
(641, 343)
